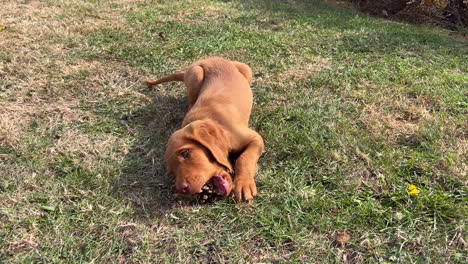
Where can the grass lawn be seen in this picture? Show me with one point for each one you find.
(353, 110)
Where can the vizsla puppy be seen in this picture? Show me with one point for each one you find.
(216, 125)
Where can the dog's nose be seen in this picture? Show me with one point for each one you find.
(184, 188)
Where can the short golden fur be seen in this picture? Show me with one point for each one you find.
(220, 103)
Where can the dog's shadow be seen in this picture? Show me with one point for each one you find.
(143, 179)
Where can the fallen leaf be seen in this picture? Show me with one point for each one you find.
(343, 237)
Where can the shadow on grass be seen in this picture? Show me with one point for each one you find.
(143, 179)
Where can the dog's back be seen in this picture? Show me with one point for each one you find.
(216, 88)
(224, 91)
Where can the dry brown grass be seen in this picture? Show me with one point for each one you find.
(301, 69)
(12, 210)
(297, 70)
(49, 88)
(17, 117)
(405, 122)
(390, 115)
(43, 75)
(87, 149)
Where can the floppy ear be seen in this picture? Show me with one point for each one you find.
(244, 69)
(213, 137)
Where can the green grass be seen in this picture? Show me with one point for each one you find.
(353, 109)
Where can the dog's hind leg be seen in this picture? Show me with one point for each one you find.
(193, 81)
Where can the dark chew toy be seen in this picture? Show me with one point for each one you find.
(208, 193)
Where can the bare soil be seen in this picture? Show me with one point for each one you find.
(451, 14)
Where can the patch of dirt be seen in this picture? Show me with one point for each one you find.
(29, 242)
(450, 14)
(394, 124)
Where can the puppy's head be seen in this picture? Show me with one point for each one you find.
(198, 153)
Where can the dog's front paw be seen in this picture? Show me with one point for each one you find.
(244, 189)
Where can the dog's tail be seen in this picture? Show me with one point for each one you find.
(176, 77)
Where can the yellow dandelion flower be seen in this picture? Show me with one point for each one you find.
(413, 190)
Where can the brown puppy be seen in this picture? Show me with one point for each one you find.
(220, 102)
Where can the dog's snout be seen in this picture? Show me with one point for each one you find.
(184, 188)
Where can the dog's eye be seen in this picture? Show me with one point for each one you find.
(185, 153)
